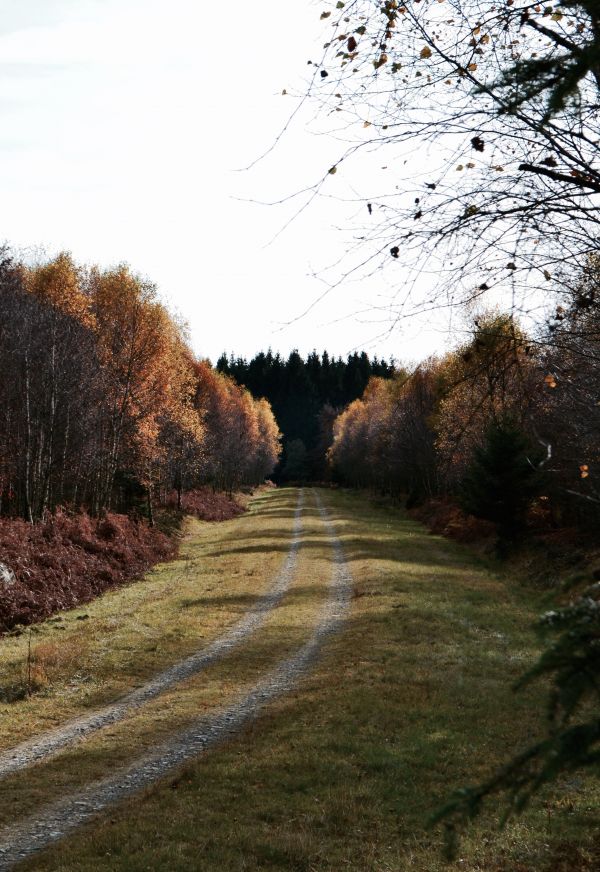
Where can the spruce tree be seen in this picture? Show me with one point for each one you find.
(501, 481)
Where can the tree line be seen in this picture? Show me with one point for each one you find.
(306, 395)
(506, 418)
(102, 402)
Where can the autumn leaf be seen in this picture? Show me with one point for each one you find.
(425, 52)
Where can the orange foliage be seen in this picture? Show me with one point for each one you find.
(490, 379)
(243, 440)
(58, 283)
(149, 417)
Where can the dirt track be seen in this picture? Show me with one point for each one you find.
(54, 821)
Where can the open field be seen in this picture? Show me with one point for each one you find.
(410, 700)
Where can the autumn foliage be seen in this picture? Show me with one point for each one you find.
(103, 406)
(207, 504)
(434, 434)
(105, 411)
(67, 560)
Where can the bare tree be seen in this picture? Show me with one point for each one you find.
(485, 119)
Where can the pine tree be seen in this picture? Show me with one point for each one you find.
(501, 481)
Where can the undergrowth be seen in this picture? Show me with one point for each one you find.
(70, 559)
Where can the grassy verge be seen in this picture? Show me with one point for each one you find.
(90, 655)
(412, 700)
(285, 629)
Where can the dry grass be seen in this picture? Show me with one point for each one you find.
(129, 634)
(286, 628)
(410, 701)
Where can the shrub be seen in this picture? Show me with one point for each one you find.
(70, 559)
(207, 505)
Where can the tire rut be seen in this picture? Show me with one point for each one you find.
(60, 818)
(74, 731)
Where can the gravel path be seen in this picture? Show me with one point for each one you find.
(60, 818)
(74, 731)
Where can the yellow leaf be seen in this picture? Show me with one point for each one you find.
(472, 68)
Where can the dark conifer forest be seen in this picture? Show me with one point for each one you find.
(306, 397)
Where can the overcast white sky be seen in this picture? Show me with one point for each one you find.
(122, 125)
